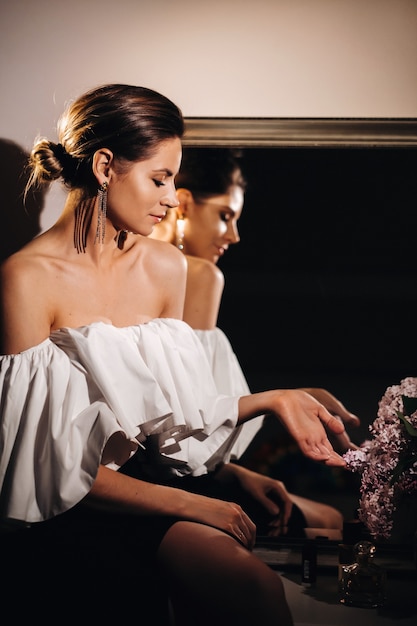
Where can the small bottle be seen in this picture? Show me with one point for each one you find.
(309, 563)
(363, 583)
(352, 533)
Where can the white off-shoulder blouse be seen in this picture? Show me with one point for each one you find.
(230, 380)
(91, 395)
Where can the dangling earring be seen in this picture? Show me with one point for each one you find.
(83, 215)
(179, 241)
(102, 212)
(121, 238)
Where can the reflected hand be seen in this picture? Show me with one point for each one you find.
(269, 492)
(306, 419)
(336, 408)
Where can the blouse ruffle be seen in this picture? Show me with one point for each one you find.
(230, 380)
(93, 394)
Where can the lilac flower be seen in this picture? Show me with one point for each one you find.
(388, 462)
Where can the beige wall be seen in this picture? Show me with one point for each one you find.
(269, 58)
(238, 58)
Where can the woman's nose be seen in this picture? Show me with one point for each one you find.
(233, 234)
(171, 199)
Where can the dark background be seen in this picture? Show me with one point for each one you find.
(322, 288)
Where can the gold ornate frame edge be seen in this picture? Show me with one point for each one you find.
(300, 132)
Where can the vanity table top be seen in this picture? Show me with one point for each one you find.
(319, 604)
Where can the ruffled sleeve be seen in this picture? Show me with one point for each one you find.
(51, 440)
(63, 401)
(230, 380)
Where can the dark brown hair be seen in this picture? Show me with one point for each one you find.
(209, 171)
(129, 120)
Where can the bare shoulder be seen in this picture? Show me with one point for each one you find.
(166, 257)
(19, 267)
(203, 294)
(165, 269)
(23, 300)
(202, 270)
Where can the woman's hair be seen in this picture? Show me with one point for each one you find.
(131, 121)
(209, 171)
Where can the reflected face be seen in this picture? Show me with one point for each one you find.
(139, 199)
(211, 226)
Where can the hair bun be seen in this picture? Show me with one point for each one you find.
(66, 161)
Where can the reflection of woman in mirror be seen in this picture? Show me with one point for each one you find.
(210, 190)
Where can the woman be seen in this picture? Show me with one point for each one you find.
(98, 364)
(210, 191)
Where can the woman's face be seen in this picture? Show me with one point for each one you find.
(211, 226)
(139, 199)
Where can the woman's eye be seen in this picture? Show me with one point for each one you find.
(225, 217)
(158, 183)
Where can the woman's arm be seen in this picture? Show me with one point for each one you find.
(116, 492)
(302, 415)
(273, 496)
(269, 492)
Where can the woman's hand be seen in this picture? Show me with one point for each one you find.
(303, 416)
(306, 419)
(270, 493)
(336, 408)
(226, 516)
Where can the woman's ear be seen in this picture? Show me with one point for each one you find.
(102, 160)
(186, 202)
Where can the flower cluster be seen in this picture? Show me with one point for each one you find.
(388, 462)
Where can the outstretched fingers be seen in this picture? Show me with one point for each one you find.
(307, 419)
(321, 451)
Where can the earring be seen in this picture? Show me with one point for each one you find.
(102, 212)
(179, 241)
(121, 238)
(82, 221)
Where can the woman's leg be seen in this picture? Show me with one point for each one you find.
(319, 515)
(214, 580)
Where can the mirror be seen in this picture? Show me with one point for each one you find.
(322, 288)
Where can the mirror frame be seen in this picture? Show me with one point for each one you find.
(300, 132)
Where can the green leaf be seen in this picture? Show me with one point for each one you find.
(409, 427)
(409, 404)
(402, 465)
